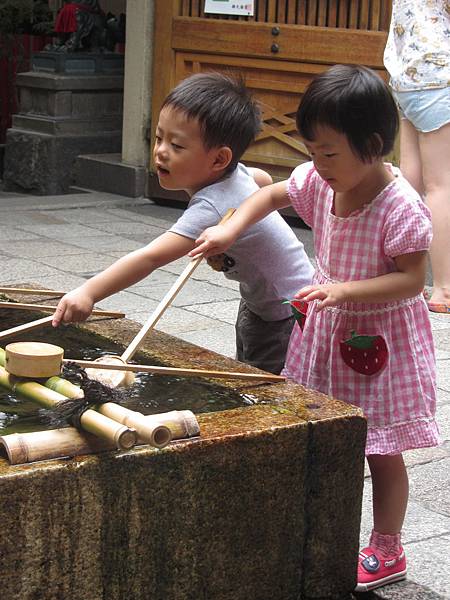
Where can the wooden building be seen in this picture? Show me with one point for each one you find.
(278, 51)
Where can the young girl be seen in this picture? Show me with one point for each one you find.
(367, 337)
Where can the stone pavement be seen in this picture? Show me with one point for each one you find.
(59, 241)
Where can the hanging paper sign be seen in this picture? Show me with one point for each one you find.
(230, 7)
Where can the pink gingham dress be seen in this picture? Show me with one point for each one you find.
(399, 400)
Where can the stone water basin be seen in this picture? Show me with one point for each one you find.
(249, 510)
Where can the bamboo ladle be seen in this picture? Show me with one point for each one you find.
(49, 307)
(25, 327)
(45, 321)
(174, 371)
(122, 378)
(31, 291)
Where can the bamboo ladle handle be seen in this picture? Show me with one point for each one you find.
(37, 292)
(48, 307)
(89, 364)
(26, 327)
(137, 342)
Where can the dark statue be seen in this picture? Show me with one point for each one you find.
(83, 26)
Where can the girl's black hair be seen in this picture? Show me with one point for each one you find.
(354, 101)
(225, 109)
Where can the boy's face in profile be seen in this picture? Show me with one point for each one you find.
(181, 158)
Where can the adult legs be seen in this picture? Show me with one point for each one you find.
(435, 152)
(410, 159)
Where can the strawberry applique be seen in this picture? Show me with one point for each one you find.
(365, 354)
(299, 309)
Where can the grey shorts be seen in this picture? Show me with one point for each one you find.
(260, 343)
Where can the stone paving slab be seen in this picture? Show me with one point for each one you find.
(62, 232)
(54, 280)
(42, 247)
(8, 233)
(104, 242)
(86, 264)
(197, 292)
(17, 269)
(430, 484)
(182, 323)
(225, 310)
(130, 228)
(216, 336)
(404, 590)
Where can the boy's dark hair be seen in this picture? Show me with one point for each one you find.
(354, 101)
(225, 109)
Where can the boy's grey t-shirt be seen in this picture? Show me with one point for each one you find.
(268, 260)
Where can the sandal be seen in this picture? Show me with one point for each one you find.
(438, 307)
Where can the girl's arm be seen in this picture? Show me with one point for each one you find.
(77, 305)
(407, 282)
(217, 239)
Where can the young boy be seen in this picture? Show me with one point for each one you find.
(205, 125)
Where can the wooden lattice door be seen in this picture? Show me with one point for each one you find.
(278, 51)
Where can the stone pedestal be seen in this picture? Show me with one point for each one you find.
(61, 116)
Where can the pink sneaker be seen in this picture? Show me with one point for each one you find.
(375, 571)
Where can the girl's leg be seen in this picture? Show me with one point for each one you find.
(383, 561)
(410, 158)
(435, 150)
(390, 492)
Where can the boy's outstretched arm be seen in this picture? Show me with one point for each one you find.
(217, 239)
(77, 304)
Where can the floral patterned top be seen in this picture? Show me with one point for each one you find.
(417, 53)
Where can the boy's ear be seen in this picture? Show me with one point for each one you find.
(223, 157)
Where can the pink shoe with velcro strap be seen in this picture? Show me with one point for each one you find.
(375, 571)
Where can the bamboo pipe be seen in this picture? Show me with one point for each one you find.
(49, 307)
(153, 433)
(92, 421)
(37, 292)
(182, 423)
(69, 441)
(52, 443)
(96, 364)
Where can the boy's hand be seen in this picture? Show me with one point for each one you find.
(73, 307)
(330, 294)
(213, 240)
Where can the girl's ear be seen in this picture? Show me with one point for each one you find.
(377, 145)
(223, 157)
